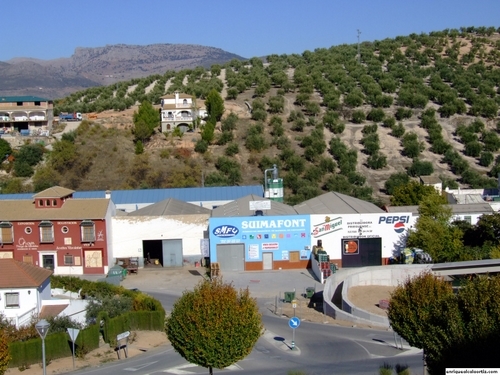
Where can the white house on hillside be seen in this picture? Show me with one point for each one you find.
(23, 287)
(180, 111)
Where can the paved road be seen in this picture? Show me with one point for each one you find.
(262, 284)
(320, 349)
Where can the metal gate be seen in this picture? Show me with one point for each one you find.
(267, 261)
(172, 253)
(231, 257)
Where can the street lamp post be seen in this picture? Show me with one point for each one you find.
(42, 328)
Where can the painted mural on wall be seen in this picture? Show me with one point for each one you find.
(276, 234)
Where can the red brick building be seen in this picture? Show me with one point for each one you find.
(58, 232)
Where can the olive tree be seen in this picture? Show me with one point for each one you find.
(214, 325)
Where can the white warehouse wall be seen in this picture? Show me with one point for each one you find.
(331, 229)
(130, 231)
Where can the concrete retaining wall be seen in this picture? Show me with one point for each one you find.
(337, 285)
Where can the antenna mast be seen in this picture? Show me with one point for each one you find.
(359, 53)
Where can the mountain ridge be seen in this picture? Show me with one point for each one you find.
(97, 66)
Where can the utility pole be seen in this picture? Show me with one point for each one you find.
(359, 53)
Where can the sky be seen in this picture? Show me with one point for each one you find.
(252, 28)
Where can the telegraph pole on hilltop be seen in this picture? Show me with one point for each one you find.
(359, 53)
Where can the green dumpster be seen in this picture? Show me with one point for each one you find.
(117, 271)
(310, 292)
(289, 296)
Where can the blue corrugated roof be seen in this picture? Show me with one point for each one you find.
(202, 194)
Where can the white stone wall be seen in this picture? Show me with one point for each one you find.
(360, 226)
(130, 231)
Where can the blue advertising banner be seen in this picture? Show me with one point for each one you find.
(277, 234)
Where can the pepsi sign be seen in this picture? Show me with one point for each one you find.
(398, 221)
(225, 231)
(399, 227)
(394, 219)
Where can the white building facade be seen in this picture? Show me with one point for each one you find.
(180, 111)
(172, 240)
(358, 240)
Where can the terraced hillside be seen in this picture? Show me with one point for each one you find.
(330, 119)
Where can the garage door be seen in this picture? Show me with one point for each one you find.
(361, 252)
(172, 253)
(231, 257)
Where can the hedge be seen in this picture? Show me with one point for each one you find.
(58, 345)
(134, 320)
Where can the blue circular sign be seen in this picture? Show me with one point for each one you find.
(294, 322)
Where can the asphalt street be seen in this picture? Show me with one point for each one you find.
(320, 348)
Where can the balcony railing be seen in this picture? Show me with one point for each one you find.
(178, 118)
(23, 319)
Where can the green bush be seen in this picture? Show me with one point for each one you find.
(398, 130)
(358, 117)
(225, 137)
(376, 115)
(139, 147)
(113, 305)
(389, 122)
(201, 146)
(232, 149)
(23, 169)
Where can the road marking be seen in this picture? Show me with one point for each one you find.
(178, 370)
(136, 368)
(182, 369)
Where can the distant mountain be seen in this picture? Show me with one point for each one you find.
(89, 67)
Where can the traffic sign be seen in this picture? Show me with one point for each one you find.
(73, 333)
(294, 322)
(294, 304)
(123, 335)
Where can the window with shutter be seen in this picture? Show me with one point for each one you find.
(12, 300)
(6, 233)
(46, 231)
(88, 231)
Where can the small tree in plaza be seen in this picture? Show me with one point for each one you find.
(214, 325)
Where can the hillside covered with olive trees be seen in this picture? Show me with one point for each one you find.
(330, 119)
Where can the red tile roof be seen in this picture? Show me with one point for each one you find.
(15, 274)
(50, 311)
